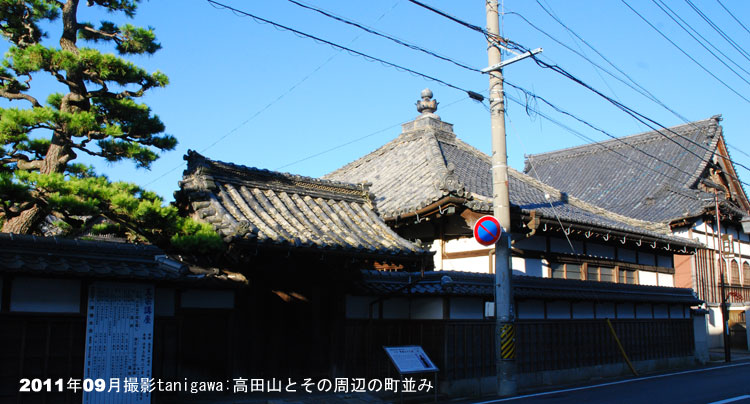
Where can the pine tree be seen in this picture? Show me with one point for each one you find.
(96, 113)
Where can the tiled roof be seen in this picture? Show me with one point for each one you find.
(32, 255)
(244, 203)
(622, 176)
(455, 283)
(427, 162)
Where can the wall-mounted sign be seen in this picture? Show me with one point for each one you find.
(119, 341)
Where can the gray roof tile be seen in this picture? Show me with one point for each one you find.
(427, 162)
(32, 255)
(622, 176)
(277, 208)
(524, 287)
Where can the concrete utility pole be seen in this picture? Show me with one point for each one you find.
(505, 344)
(724, 312)
(505, 331)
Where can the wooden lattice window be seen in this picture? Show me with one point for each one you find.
(735, 268)
(746, 274)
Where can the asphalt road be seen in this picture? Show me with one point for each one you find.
(716, 385)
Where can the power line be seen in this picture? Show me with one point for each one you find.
(661, 6)
(591, 140)
(471, 94)
(684, 52)
(564, 112)
(719, 30)
(732, 15)
(640, 89)
(549, 11)
(357, 139)
(382, 35)
(452, 18)
(633, 113)
(638, 116)
(269, 105)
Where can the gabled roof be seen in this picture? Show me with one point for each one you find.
(651, 176)
(455, 283)
(36, 256)
(428, 163)
(272, 208)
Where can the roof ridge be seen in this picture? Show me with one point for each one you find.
(196, 161)
(572, 200)
(632, 140)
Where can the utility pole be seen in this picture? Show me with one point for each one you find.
(724, 311)
(505, 331)
(505, 339)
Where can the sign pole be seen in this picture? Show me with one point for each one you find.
(505, 349)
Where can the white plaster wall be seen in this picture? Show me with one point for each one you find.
(437, 257)
(643, 310)
(677, 311)
(359, 306)
(429, 308)
(45, 295)
(558, 310)
(535, 267)
(625, 310)
(681, 233)
(647, 278)
(479, 264)
(395, 308)
(466, 308)
(661, 311)
(463, 244)
(530, 309)
(605, 310)
(471, 264)
(583, 310)
(527, 266)
(715, 337)
(665, 279)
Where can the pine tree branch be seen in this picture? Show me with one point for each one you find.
(82, 148)
(18, 96)
(117, 38)
(28, 165)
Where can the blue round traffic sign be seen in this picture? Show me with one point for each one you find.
(487, 230)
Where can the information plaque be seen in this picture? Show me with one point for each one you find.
(410, 359)
(119, 340)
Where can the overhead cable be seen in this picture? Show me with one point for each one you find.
(471, 94)
(684, 52)
(640, 89)
(733, 16)
(633, 113)
(721, 32)
(382, 35)
(662, 7)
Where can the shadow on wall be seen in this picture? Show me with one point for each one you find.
(531, 267)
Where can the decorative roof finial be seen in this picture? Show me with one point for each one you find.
(427, 105)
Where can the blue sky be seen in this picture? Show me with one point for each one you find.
(251, 94)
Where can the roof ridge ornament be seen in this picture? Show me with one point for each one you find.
(427, 105)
